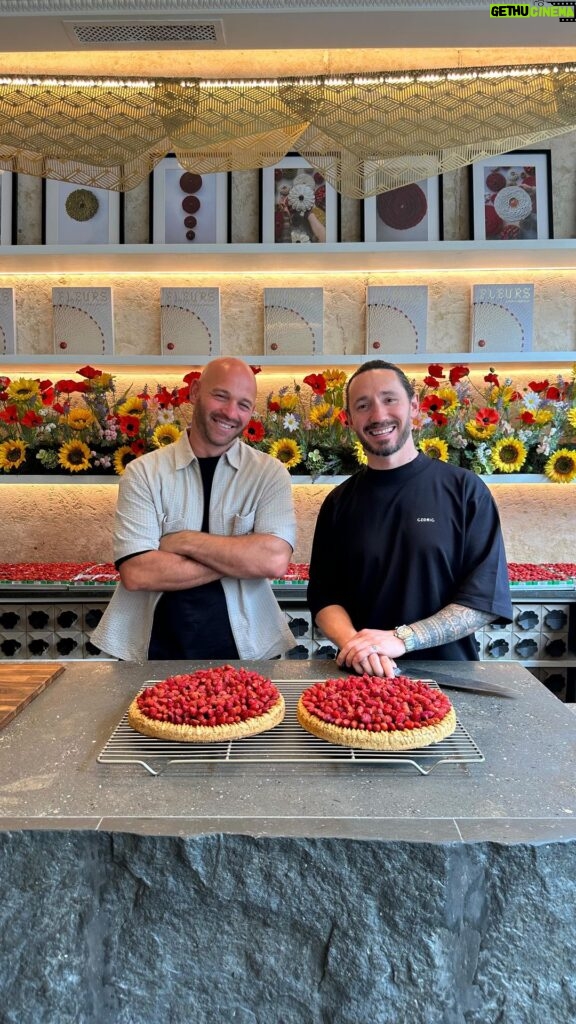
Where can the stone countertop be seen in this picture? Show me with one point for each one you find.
(524, 791)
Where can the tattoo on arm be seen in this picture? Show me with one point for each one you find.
(450, 623)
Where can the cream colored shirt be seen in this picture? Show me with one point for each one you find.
(161, 493)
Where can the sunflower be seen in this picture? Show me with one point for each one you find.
(571, 416)
(543, 416)
(561, 467)
(509, 455)
(12, 454)
(23, 390)
(102, 381)
(334, 378)
(131, 407)
(287, 451)
(165, 434)
(434, 448)
(74, 456)
(122, 456)
(360, 454)
(449, 398)
(480, 433)
(79, 419)
(323, 414)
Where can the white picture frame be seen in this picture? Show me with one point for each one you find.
(277, 183)
(205, 223)
(6, 197)
(64, 227)
(387, 218)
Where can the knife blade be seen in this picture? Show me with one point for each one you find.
(470, 686)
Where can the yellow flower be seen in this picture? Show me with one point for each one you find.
(323, 414)
(79, 419)
(434, 448)
(131, 407)
(450, 399)
(561, 467)
(167, 433)
(122, 456)
(103, 381)
(287, 451)
(23, 390)
(571, 416)
(480, 433)
(509, 455)
(334, 378)
(505, 394)
(360, 454)
(74, 456)
(12, 454)
(542, 416)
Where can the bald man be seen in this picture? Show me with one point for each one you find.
(201, 528)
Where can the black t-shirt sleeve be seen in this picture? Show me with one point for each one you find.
(325, 573)
(485, 584)
(127, 558)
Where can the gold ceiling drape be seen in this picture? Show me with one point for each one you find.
(366, 133)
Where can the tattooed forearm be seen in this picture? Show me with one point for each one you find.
(450, 623)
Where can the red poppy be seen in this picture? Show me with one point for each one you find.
(47, 396)
(432, 403)
(163, 398)
(68, 386)
(435, 370)
(431, 382)
(553, 393)
(129, 425)
(256, 369)
(193, 375)
(527, 417)
(439, 419)
(457, 372)
(89, 372)
(59, 408)
(4, 382)
(343, 417)
(9, 414)
(181, 395)
(138, 446)
(45, 385)
(538, 385)
(31, 419)
(273, 406)
(254, 431)
(317, 382)
(491, 378)
(485, 417)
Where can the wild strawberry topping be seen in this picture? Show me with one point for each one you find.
(214, 696)
(376, 705)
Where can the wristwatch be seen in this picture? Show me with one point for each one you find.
(407, 636)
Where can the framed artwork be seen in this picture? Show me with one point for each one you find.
(411, 213)
(512, 197)
(298, 205)
(7, 195)
(80, 215)
(188, 208)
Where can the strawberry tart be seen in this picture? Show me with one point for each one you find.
(376, 714)
(207, 706)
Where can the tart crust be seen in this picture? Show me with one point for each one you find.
(205, 733)
(385, 739)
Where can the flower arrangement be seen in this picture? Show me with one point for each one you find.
(89, 425)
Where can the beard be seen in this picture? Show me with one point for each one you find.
(385, 447)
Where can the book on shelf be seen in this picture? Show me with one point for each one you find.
(502, 317)
(83, 322)
(190, 321)
(396, 319)
(7, 322)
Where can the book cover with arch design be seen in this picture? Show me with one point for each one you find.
(83, 321)
(190, 321)
(396, 319)
(502, 317)
(293, 321)
(7, 322)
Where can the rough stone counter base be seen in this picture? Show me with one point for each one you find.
(116, 928)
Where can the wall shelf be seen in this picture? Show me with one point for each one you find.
(338, 257)
(93, 479)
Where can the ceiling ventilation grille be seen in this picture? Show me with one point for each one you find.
(144, 33)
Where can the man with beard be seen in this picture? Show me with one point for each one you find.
(408, 555)
(201, 528)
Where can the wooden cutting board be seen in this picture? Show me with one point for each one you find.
(19, 684)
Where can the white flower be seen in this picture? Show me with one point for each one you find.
(297, 235)
(290, 422)
(165, 416)
(532, 401)
(301, 198)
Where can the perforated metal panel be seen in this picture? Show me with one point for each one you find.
(144, 32)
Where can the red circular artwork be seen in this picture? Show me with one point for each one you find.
(191, 204)
(402, 208)
(190, 222)
(190, 182)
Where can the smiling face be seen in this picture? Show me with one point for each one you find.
(381, 414)
(223, 399)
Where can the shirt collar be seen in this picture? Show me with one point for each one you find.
(184, 455)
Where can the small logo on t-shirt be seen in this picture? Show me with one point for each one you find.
(425, 519)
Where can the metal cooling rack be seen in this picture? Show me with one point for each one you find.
(288, 743)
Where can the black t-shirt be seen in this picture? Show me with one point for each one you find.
(395, 546)
(194, 623)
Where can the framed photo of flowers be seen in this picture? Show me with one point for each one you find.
(188, 208)
(80, 215)
(511, 197)
(298, 205)
(411, 213)
(7, 208)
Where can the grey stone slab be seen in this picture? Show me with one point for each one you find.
(517, 830)
(49, 824)
(422, 830)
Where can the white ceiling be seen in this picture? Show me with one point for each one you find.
(240, 25)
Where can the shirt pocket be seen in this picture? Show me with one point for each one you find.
(241, 525)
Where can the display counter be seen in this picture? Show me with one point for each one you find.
(288, 893)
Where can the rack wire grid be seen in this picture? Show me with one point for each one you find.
(288, 744)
